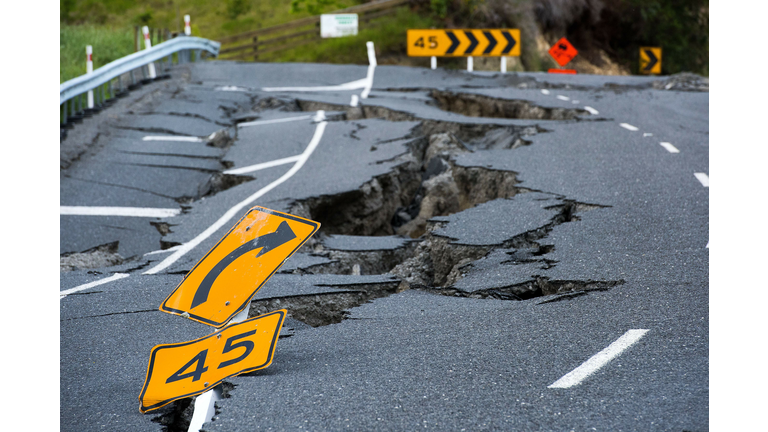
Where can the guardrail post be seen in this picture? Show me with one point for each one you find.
(89, 70)
(470, 64)
(433, 62)
(148, 45)
(503, 64)
(255, 48)
(187, 26)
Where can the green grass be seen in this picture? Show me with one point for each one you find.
(108, 44)
(387, 33)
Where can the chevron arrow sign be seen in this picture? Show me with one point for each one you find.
(464, 43)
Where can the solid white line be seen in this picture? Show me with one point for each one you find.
(629, 126)
(172, 138)
(565, 98)
(591, 110)
(282, 120)
(545, 91)
(264, 165)
(703, 178)
(354, 101)
(371, 67)
(670, 148)
(118, 211)
(114, 277)
(352, 85)
(232, 212)
(599, 360)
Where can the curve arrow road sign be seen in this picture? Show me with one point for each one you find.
(463, 43)
(222, 283)
(650, 60)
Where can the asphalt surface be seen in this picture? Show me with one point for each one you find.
(614, 221)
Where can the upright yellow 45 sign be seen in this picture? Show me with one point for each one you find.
(464, 43)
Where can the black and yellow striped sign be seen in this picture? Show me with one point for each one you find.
(464, 43)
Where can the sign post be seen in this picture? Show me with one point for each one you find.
(650, 60)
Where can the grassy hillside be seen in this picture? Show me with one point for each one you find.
(607, 33)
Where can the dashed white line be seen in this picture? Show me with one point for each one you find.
(354, 101)
(629, 127)
(574, 101)
(232, 88)
(591, 110)
(599, 360)
(172, 138)
(670, 148)
(703, 178)
(545, 91)
(280, 120)
(565, 98)
(114, 277)
(232, 212)
(118, 211)
(263, 165)
(647, 134)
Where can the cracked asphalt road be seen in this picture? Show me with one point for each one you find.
(584, 228)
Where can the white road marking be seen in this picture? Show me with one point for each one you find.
(629, 127)
(545, 91)
(172, 138)
(114, 277)
(591, 110)
(670, 148)
(232, 88)
(703, 178)
(561, 97)
(118, 211)
(371, 67)
(352, 85)
(261, 166)
(232, 212)
(574, 101)
(354, 101)
(280, 120)
(599, 360)
(647, 134)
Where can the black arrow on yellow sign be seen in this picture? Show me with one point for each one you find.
(491, 42)
(511, 42)
(472, 42)
(652, 60)
(454, 42)
(267, 242)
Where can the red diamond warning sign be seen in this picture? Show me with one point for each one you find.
(563, 52)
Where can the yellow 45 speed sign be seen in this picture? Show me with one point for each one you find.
(464, 43)
(187, 369)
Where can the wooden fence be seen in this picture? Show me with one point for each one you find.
(255, 43)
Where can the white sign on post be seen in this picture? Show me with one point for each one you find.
(339, 25)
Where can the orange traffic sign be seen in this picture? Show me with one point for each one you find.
(187, 369)
(563, 52)
(463, 43)
(650, 60)
(222, 283)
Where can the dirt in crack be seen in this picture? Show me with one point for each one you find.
(476, 105)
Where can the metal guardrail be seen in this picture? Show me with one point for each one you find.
(72, 91)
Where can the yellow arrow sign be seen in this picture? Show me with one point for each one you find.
(187, 369)
(650, 60)
(464, 43)
(222, 283)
